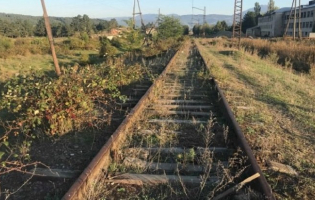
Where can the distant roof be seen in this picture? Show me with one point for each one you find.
(281, 10)
(308, 6)
(286, 9)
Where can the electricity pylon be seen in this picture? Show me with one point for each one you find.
(237, 21)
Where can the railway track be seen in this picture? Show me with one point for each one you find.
(180, 141)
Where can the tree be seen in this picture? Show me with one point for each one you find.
(249, 21)
(208, 30)
(82, 24)
(185, 30)
(196, 30)
(271, 6)
(102, 25)
(257, 9)
(76, 23)
(40, 28)
(169, 27)
(86, 24)
(113, 23)
(221, 26)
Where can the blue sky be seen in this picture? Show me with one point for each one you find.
(118, 8)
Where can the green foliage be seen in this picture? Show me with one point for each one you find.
(169, 27)
(257, 8)
(208, 30)
(131, 40)
(60, 105)
(249, 21)
(107, 49)
(271, 6)
(221, 26)
(196, 29)
(14, 26)
(185, 30)
(5, 45)
(40, 29)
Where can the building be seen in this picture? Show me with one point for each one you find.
(269, 25)
(307, 20)
(276, 23)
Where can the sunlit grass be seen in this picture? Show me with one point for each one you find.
(279, 122)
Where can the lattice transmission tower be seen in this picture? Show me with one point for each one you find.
(237, 20)
(134, 14)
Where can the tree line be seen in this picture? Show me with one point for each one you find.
(25, 28)
(207, 30)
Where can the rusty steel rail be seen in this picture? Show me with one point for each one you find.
(261, 183)
(102, 159)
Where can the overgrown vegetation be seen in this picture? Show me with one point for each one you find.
(35, 104)
(15, 26)
(300, 56)
(274, 107)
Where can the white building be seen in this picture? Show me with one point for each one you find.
(271, 25)
(275, 24)
(307, 20)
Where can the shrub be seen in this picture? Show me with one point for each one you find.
(107, 49)
(5, 45)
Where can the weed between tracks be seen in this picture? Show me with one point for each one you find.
(136, 155)
(275, 109)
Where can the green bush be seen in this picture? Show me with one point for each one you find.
(106, 49)
(56, 106)
(5, 45)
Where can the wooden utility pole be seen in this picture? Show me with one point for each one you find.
(289, 20)
(50, 38)
(294, 21)
(134, 15)
(300, 13)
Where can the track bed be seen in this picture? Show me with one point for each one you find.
(177, 143)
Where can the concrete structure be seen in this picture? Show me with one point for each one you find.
(271, 25)
(274, 24)
(307, 20)
(254, 31)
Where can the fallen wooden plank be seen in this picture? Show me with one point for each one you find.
(182, 101)
(186, 113)
(177, 121)
(149, 179)
(278, 167)
(168, 167)
(54, 173)
(236, 187)
(178, 150)
(185, 95)
(187, 107)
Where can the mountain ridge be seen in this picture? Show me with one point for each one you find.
(148, 18)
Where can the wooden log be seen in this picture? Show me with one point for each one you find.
(54, 173)
(177, 121)
(168, 167)
(150, 179)
(237, 187)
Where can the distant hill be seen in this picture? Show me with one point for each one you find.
(34, 19)
(187, 19)
(147, 18)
